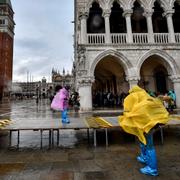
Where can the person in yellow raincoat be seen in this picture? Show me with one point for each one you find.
(141, 114)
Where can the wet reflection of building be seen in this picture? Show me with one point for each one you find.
(122, 43)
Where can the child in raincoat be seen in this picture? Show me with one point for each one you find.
(60, 102)
(141, 114)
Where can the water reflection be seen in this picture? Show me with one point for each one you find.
(29, 114)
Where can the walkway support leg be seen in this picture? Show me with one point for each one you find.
(106, 131)
(95, 140)
(41, 132)
(10, 136)
(18, 140)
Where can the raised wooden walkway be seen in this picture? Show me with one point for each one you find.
(86, 123)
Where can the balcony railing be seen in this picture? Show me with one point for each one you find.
(118, 38)
(161, 38)
(177, 37)
(137, 38)
(140, 38)
(96, 38)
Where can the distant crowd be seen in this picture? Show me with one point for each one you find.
(109, 99)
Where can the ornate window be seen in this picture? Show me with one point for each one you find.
(117, 21)
(95, 21)
(139, 24)
(159, 22)
(2, 21)
(176, 17)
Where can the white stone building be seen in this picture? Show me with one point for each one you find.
(120, 43)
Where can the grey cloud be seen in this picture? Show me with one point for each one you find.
(43, 36)
(31, 44)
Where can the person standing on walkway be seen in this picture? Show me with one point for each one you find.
(142, 114)
(60, 102)
(64, 99)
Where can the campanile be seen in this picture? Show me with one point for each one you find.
(6, 46)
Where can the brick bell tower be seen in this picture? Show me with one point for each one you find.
(6, 46)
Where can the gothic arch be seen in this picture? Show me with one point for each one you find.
(166, 4)
(110, 3)
(126, 64)
(147, 4)
(172, 67)
(90, 2)
(178, 1)
(125, 4)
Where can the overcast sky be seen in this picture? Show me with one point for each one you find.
(43, 38)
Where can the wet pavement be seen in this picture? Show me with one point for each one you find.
(74, 158)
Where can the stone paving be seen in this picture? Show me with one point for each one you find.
(75, 159)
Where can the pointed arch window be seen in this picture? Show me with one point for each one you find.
(159, 22)
(95, 21)
(139, 24)
(117, 21)
(2, 21)
(176, 17)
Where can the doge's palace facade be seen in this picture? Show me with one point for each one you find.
(120, 43)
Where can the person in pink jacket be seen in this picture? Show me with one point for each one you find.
(60, 102)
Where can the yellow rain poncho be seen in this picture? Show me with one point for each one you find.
(141, 113)
(4, 122)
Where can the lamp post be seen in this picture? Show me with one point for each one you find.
(37, 95)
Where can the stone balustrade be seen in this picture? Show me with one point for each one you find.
(161, 38)
(119, 38)
(96, 38)
(138, 38)
(177, 37)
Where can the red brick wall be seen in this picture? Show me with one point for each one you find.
(6, 60)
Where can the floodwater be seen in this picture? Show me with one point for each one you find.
(28, 114)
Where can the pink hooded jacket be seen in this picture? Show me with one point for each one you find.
(60, 100)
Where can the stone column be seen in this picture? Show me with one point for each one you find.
(127, 15)
(85, 93)
(148, 16)
(132, 81)
(83, 23)
(176, 82)
(170, 25)
(106, 15)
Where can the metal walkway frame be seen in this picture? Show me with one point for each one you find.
(85, 124)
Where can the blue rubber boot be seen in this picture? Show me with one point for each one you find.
(64, 117)
(151, 160)
(151, 168)
(142, 157)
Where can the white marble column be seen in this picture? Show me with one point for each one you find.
(83, 21)
(133, 81)
(176, 82)
(85, 93)
(148, 16)
(127, 15)
(106, 15)
(170, 25)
